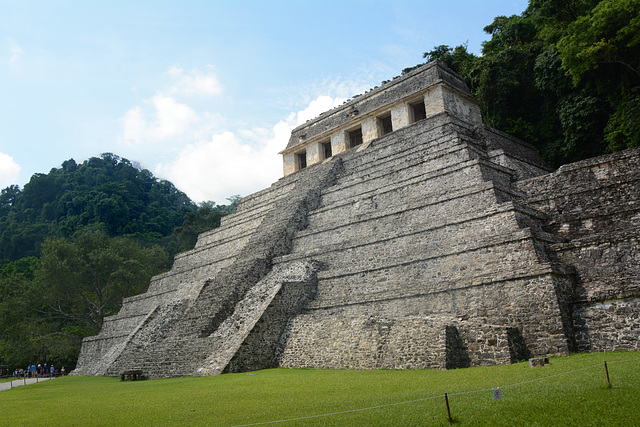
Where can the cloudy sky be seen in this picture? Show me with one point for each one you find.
(202, 93)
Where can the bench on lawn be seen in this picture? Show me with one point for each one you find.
(131, 375)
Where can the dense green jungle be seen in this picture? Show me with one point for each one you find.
(564, 76)
(76, 241)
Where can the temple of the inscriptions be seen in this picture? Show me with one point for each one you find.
(404, 234)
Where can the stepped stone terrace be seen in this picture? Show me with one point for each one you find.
(404, 234)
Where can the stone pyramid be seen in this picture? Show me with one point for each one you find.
(405, 234)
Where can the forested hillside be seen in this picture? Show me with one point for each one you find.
(76, 241)
(564, 75)
(106, 193)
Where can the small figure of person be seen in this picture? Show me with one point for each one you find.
(63, 371)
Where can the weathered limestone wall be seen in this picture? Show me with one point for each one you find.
(421, 234)
(442, 244)
(593, 207)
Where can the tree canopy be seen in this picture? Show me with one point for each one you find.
(564, 75)
(79, 239)
(108, 193)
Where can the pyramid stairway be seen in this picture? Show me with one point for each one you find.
(442, 244)
(418, 236)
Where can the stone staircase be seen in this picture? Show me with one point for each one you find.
(434, 225)
(169, 329)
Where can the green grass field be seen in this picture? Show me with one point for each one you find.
(549, 395)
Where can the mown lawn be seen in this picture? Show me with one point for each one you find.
(550, 395)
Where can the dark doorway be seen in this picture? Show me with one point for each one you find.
(385, 124)
(355, 138)
(326, 149)
(301, 160)
(418, 111)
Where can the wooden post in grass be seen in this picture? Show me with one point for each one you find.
(446, 399)
(607, 371)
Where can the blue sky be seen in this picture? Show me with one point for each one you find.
(203, 93)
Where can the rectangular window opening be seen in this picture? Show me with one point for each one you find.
(301, 160)
(355, 137)
(418, 111)
(385, 124)
(325, 148)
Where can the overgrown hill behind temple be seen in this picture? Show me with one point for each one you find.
(107, 193)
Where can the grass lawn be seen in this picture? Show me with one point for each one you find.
(549, 395)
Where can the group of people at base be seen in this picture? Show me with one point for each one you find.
(39, 371)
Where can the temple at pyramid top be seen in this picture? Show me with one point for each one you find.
(424, 92)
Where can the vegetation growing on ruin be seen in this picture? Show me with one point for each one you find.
(569, 391)
(563, 75)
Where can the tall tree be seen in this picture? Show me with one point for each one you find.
(601, 51)
(107, 193)
(563, 75)
(85, 279)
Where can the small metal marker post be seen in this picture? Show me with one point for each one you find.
(446, 399)
(607, 371)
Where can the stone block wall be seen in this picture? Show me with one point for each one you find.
(442, 244)
(417, 237)
(593, 207)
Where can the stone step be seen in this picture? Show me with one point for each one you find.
(175, 279)
(445, 229)
(426, 211)
(430, 185)
(381, 153)
(397, 278)
(404, 243)
(222, 235)
(258, 210)
(406, 166)
(278, 188)
(142, 304)
(225, 248)
(410, 164)
(443, 286)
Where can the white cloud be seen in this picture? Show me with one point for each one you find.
(194, 82)
(16, 54)
(221, 167)
(170, 119)
(237, 163)
(9, 170)
(217, 162)
(317, 107)
(163, 118)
